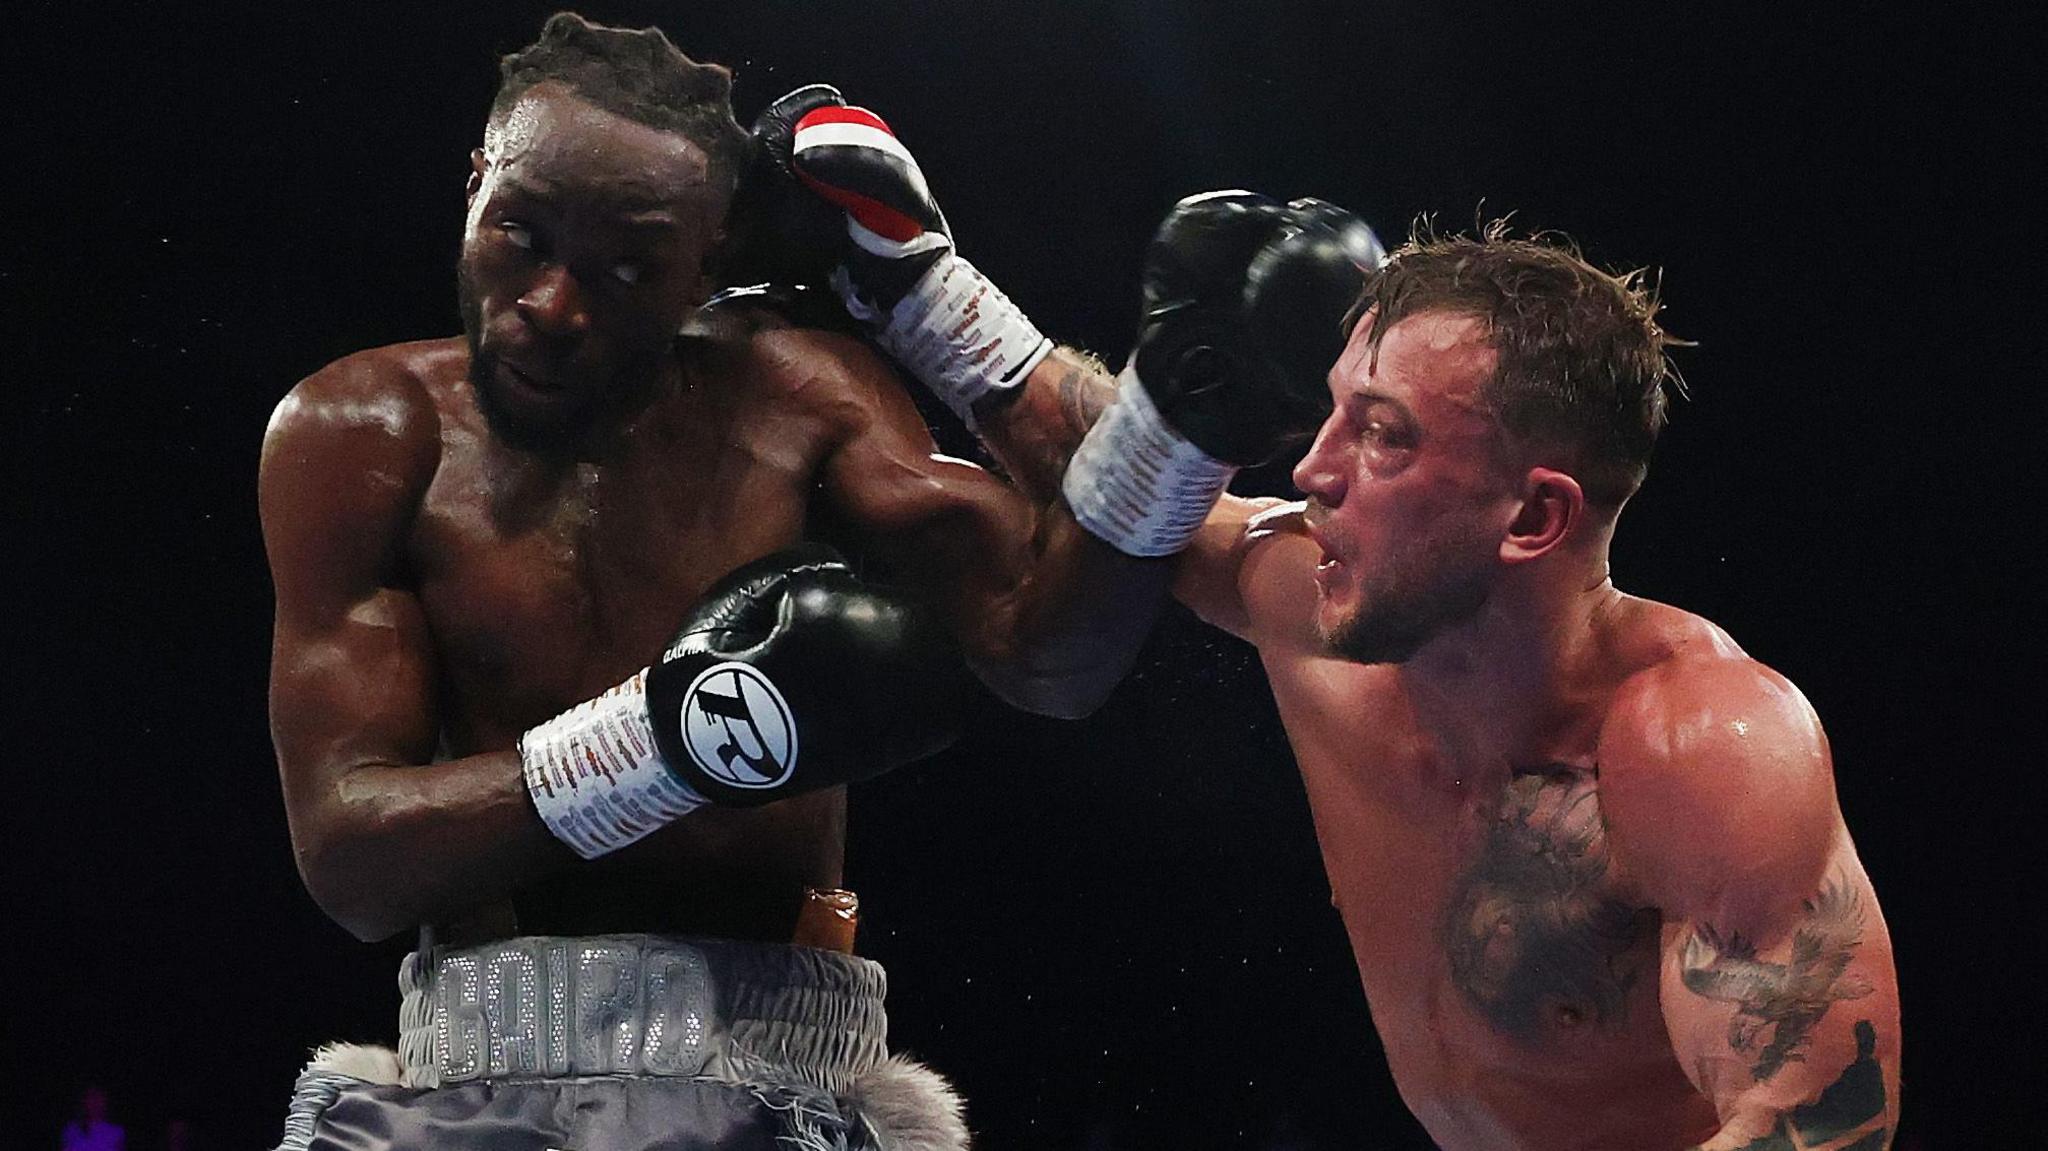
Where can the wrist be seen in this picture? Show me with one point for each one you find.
(1138, 484)
(961, 337)
(595, 776)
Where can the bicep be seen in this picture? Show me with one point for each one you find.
(1050, 616)
(1777, 985)
(1250, 571)
(960, 529)
(349, 690)
(352, 673)
(1790, 1025)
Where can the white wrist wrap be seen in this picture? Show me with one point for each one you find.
(595, 776)
(1136, 483)
(961, 336)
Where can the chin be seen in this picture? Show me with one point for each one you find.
(1363, 638)
(523, 421)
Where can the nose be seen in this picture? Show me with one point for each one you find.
(1322, 472)
(555, 305)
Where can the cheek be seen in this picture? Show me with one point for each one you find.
(489, 275)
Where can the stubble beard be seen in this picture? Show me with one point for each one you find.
(1404, 608)
(514, 428)
(483, 370)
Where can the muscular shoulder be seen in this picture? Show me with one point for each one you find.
(381, 400)
(347, 458)
(774, 353)
(1714, 771)
(823, 369)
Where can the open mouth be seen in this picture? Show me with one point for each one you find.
(1327, 562)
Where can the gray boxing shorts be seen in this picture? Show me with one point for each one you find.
(628, 1043)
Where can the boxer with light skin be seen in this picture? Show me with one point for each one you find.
(1587, 851)
(471, 535)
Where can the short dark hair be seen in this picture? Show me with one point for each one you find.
(635, 73)
(1583, 365)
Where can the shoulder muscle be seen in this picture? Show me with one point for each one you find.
(347, 456)
(1717, 785)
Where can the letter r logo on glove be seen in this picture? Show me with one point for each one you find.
(738, 728)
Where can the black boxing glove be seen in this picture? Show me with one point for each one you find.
(1244, 303)
(790, 675)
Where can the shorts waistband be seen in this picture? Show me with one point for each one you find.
(538, 1007)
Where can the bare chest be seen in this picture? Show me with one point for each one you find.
(1538, 946)
(544, 587)
(1488, 923)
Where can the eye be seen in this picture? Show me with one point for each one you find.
(627, 272)
(1393, 435)
(518, 234)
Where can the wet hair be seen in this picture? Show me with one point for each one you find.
(634, 73)
(1582, 368)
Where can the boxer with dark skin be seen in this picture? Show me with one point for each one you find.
(469, 535)
(1587, 850)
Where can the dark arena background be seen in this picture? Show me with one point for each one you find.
(1114, 933)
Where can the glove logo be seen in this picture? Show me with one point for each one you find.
(738, 728)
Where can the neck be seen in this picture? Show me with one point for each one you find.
(1490, 688)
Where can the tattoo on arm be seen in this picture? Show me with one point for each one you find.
(1035, 436)
(1082, 400)
(1786, 999)
(1853, 1099)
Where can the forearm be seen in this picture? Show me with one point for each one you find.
(1074, 623)
(1779, 1133)
(1033, 431)
(389, 847)
(1817, 1103)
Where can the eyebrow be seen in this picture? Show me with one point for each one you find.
(650, 220)
(1368, 396)
(637, 220)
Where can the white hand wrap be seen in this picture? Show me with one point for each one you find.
(957, 333)
(595, 776)
(1136, 483)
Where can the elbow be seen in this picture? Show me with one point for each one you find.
(1066, 693)
(331, 868)
(1069, 699)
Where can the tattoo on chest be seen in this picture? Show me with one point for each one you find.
(1781, 1001)
(1534, 934)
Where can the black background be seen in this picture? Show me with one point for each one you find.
(1115, 929)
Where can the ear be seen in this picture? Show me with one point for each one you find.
(477, 165)
(1552, 503)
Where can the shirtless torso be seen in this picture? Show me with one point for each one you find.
(1524, 920)
(1511, 964)
(439, 592)
(1587, 852)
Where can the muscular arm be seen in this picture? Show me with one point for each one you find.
(1247, 570)
(1777, 983)
(1050, 617)
(384, 838)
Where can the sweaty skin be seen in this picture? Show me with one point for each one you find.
(470, 535)
(1586, 850)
